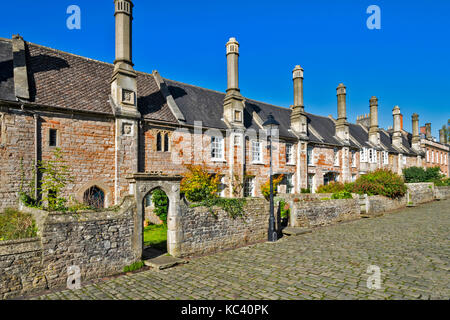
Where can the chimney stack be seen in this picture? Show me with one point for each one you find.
(123, 81)
(442, 137)
(298, 117)
(415, 132)
(342, 130)
(428, 135)
(233, 106)
(21, 87)
(397, 135)
(374, 135)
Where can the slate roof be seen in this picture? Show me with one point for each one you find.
(69, 81)
(6, 71)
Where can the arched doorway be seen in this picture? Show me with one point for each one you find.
(155, 208)
(94, 197)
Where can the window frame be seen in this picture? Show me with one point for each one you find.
(220, 147)
(260, 152)
(310, 155)
(249, 181)
(290, 155)
(50, 130)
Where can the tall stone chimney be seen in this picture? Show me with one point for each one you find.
(123, 81)
(442, 137)
(298, 116)
(397, 135)
(374, 134)
(233, 105)
(428, 131)
(415, 142)
(342, 130)
(21, 87)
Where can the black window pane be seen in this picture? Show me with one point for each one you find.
(166, 142)
(158, 142)
(52, 137)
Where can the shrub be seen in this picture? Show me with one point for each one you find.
(265, 188)
(305, 190)
(161, 202)
(380, 182)
(198, 185)
(332, 187)
(418, 174)
(133, 267)
(16, 225)
(443, 182)
(341, 195)
(284, 209)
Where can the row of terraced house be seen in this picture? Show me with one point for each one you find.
(111, 121)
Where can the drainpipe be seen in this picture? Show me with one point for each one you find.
(36, 157)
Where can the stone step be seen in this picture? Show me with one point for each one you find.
(164, 262)
(295, 231)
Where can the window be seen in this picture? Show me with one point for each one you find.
(336, 156)
(249, 186)
(289, 153)
(158, 142)
(309, 155)
(432, 156)
(353, 158)
(222, 187)
(237, 140)
(95, 197)
(166, 142)
(148, 200)
(52, 137)
(385, 157)
(289, 183)
(217, 148)
(353, 177)
(370, 155)
(311, 182)
(428, 155)
(404, 160)
(256, 151)
(442, 158)
(363, 155)
(445, 159)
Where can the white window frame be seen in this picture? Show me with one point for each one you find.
(290, 153)
(353, 159)
(385, 157)
(432, 156)
(217, 148)
(249, 184)
(290, 183)
(363, 155)
(404, 160)
(428, 155)
(336, 157)
(310, 155)
(371, 157)
(255, 151)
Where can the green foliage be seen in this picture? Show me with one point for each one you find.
(418, 174)
(305, 190)
(265, 188)
(284, 209)
(198, 185)
(324, 199)
(341, 195)
(442, 182)
(156, 236)
(234, 207)
(16, 225)
(332, 187)
(55, 176)
(133, 267)
(380, 182)
(161, 202)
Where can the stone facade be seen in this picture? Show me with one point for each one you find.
(99, 243)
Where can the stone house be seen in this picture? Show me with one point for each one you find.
(111, 121)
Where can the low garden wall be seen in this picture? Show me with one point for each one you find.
(316, 212)
(420, 192)
(99, 243)
(442, 193)
(205, 233)
(380, 204)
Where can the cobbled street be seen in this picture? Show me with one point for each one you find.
(411, 247)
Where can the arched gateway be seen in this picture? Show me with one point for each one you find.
(140, 185)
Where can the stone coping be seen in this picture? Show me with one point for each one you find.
(10, 247)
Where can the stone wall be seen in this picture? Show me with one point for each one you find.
(420, 192)
(441, 193)
(100, 243)
(378, 204)
(314, 213)
(203, 233)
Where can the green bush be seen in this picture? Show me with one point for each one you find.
(443, 182)
(380, 182)
(16, 225)
(284, 209)
(418, 174)
(161, 202)
(305, 190)
(133, 267)
(332, 187)
(341, 195)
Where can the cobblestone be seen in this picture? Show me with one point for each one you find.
(411, 247)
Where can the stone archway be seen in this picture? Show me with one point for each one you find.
(140, 185)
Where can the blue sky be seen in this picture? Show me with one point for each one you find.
(405, 63)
